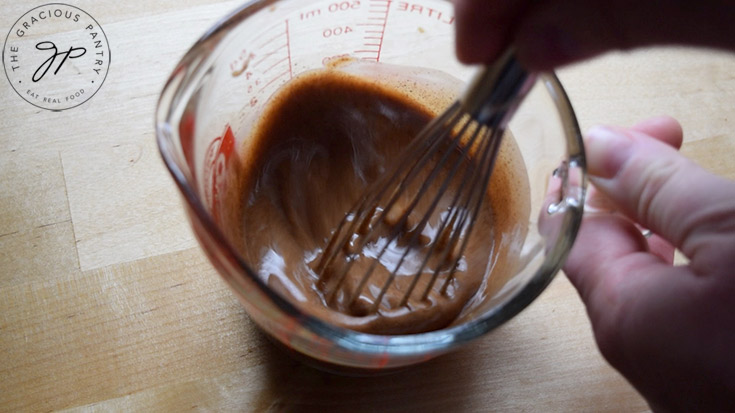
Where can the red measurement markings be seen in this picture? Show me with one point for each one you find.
(275, 65)
(273, 80)
(265, 56)
(375, 29)
(275, 57)
(216, 159)
(428, 12)
(288, 50)
(310, 14)
(270, 40)
(272, 46)
(335, 7)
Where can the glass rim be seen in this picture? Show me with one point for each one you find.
(175, 96)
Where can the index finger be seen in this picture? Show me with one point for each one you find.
(484, 28)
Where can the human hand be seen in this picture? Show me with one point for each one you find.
(670, 330)
(551, 33)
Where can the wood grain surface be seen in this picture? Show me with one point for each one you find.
(107, 303)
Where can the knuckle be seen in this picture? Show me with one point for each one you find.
(656, 185)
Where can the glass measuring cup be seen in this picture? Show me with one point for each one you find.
(212, 102)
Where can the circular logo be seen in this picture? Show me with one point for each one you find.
(56, 56)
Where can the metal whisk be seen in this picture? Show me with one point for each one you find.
(417, 218)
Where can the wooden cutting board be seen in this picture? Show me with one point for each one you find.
(107, 303)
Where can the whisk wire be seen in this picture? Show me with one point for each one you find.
(492, 151)
(448, 229)
(455, 144)
(487, 105)
(357, 217)
(441, 237)
(463, 212)
(361, 218)
(398, 226)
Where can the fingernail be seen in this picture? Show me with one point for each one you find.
(607, 149)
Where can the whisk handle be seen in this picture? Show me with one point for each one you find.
(497, 90)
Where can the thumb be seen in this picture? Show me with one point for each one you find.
(660, 189)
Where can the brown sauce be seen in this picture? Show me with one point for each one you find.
(320, 142)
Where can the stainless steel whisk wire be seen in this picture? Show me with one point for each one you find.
(483, 111)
